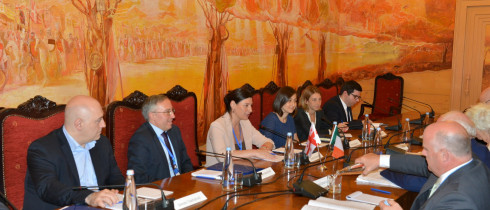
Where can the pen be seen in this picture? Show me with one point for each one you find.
(205, 177)
(381, 191)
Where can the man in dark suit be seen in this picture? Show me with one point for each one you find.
(156, 150)
(414, 183)
(338, 108)
(455, 179)
(72, 156)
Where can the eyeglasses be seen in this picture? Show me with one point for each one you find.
(167, 112)
(356, 97)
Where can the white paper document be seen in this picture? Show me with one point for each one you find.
(315, 157)
(321, 144)
(322, 203)
(354, 143)
(365, 198)
(151, 193)
(207, 174)
(282, 150)
(375, 178)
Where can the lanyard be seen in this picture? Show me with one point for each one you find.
(236, 139)
(174, 160)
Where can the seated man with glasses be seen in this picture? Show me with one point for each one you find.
(156, 150)
(338, 108)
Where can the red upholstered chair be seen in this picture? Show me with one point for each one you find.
(388, 96)
(301, 88)
(269, 93)
(256, 109)
(123, 119)
(19, 127)
(185, 105)
(328, 90)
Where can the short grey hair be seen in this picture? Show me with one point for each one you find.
(480, 115)
(150, 103)
(461, 119)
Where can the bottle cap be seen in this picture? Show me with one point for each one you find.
(335, 122)
(407, 119)
(130, 172)
(366, 115)
(378, 129)
(228, 149)
(290, 134)
(427, 113)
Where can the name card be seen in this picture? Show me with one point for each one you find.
(323, 182)
(189, 200)
(266, 173)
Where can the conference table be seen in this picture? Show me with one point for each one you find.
(278, 187)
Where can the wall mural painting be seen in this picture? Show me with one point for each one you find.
(486, 62)
(109, 48)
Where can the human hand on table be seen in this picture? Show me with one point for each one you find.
(102, 198)
(393, 205)
(370, 162)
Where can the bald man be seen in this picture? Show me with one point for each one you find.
(455, 179)
(485, 96)
(415, 183)
(72, 156)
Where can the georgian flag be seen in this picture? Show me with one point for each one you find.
(313, 140)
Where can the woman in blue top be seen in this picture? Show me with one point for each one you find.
(280, 120)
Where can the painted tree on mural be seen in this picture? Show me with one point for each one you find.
(282, 16)
(103, 65)
(216, 73)
(315, 14)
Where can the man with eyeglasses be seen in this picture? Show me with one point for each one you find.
(338, 108)
(156, 150)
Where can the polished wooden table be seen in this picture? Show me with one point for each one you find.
(281, 182)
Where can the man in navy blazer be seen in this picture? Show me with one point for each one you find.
(72, 156)
(414, 183)
(338, 108)
(455, 179)
(156, 150)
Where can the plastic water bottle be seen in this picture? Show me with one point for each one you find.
(130, 200)
(289, 153)
(378, 142)
(227, 181)
(406, 133)
(366, 133)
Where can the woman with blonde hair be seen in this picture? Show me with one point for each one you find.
(310, 111)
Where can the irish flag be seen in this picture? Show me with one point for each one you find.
(313, 140)
(338, 148)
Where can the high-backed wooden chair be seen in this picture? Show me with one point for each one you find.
(269, 93)
(123, 119)
(388, 96)
(185, 105)
(339, 82)
(301, 88)
(19, 127)
(328, 90)
(256, 109)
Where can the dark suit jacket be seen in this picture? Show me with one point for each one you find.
(414, 183)
(303, 124)
(52, 172)
(147, 158)
(334, 111)
(466, 188)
